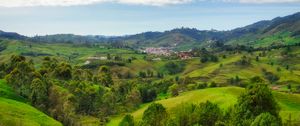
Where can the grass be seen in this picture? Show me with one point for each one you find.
(224, 96)
(7, 92)
(14, 112)
(17, 113)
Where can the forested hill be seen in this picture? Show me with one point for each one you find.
(280, 30)
(11, 35)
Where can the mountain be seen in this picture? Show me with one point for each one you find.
(69, 38)
(280, 30)
(11, 35)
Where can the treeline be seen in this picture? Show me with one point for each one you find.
(68, 92)
(255, 107)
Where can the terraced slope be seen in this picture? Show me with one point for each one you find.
(225, 97)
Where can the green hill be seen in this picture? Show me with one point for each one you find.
(14, 112)
(281, 30)
(225, 97)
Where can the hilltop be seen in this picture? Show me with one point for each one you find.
(278, 31)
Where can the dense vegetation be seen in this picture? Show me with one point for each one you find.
(69, 92)
(94, 80)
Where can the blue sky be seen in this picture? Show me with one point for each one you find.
(123, 17)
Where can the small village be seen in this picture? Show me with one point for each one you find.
(155, 51)
(167, 51)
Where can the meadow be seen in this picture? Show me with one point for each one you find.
(224, 97)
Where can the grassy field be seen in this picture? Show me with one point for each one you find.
(15, 112)
(225, 97)
(61, 51)
(199, 72)
(7, 92)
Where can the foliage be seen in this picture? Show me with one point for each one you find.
(155, 115)
(205, 114)
(209, 114)
(127, 121)
(265, 119)
(174, 90)
(39, 93)
(257, 99)
(104, 76)
(174, 68)
(63, 71)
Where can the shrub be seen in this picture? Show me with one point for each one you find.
(155, 115)
(127, 121)
(174, 90)
(257, 99)
(265, 119)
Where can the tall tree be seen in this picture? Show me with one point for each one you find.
(155, 115)
(209, 114)
(104, 76)
(257, 99)
(127, 121)
(39, 93)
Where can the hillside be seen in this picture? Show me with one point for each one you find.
(15, 112)
(278, 31)
(11, 35)
(225, 97)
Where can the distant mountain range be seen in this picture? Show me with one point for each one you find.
(280, 30)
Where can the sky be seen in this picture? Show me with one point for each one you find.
(125, 17)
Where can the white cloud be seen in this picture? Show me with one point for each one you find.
(26, 3)
(154, 2)
(262, 1)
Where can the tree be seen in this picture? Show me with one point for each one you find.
(204, 59)
(127, 121)
(186, 115)
(174, 90)
(21, 76)
(271, 77)
(256, 79)
(209, 113)
(148, 93)
(174, 68)
(155, 115)
(39, 93)
(214, 58)
(257, 99)
(257, 58)
(63, 71)
(133, 99)
(266, 119)
(104, 75)
(86, 95)
(142, 74)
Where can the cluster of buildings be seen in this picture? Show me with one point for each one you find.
(164, 51)
(159, 51)
(184, 55)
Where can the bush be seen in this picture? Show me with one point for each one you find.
(256, 100)
(209, 114)
(201, 85)
(174, 68)
(127, 121)
(213, 84)
(155, 115)
(271, 77)
(174, 90)
(204, 114)
(191, 87)
(266, 119)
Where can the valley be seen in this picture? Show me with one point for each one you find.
(181, 77)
